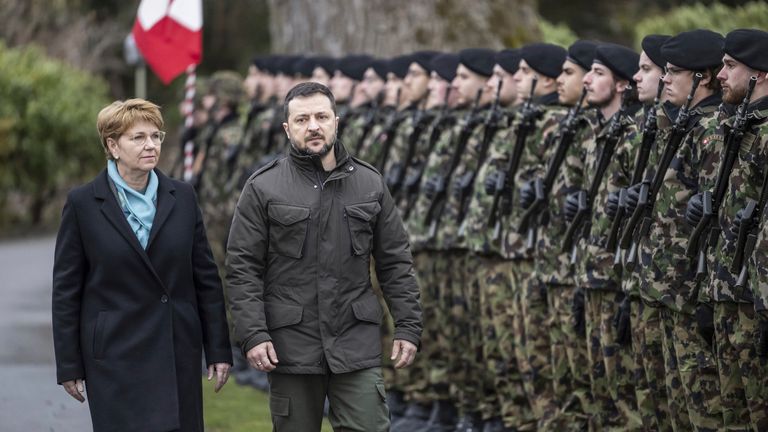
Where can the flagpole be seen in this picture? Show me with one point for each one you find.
(140, 80)
(189, 108)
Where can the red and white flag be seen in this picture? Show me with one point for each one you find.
(169, 35)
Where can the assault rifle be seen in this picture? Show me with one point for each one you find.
(503, 194)
(707, 231)
(388, 132)
(751, 222)
(543, 187)
(435, 210)
(415, 174)
(370, 120)
(491, 126)
(635, 231)
(582, 221)
(650, 129)
(396, 176)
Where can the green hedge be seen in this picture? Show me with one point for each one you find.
(48, 138)
(717, 17)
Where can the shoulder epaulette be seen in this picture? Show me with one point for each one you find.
(365, 164)
(266, 168)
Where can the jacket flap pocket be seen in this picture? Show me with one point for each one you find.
(285, 214)
(368, 310)
(365, 211)
(281, 315)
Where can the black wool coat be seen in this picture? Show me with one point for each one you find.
(133, 323)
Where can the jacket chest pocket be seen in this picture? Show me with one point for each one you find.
(361, 219)
(288, 229)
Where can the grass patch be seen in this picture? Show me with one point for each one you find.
(238, 409)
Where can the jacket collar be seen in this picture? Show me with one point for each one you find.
(312, 163)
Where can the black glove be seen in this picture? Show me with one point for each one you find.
(695, 210)
(621, 322)
(571, 206)
(527, 194)
(633, 196)
(460, 184)
(490, 182)
(431, 186)
(736, 222)
(577, 312)
(706, 322)
(612, 205)
(762, 337)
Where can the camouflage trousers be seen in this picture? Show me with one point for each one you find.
(505, 393)
(611, 365)
(474, 384)
(440, 328)
(533, 346)
(649, 372)
(568, 355)
(692, 381)
(743, 375)
(461, 358)
(417, 385)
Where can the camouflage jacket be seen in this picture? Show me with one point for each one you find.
(222, 151)
(412, 127)
(668, 272)
(594, 263)
(532, 160)
(552, 265)
(435, 163)
(745, 182)
(359, 127)
(373, 144)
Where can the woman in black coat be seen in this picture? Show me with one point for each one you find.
(136, 294)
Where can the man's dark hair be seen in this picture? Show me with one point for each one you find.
(306, 89)
(714, 84)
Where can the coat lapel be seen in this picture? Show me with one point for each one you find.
(115, 216)
(166, 199)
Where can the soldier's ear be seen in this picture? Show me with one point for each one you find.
(287, 132)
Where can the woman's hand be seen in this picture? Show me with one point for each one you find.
(222, 374)
(75, 388)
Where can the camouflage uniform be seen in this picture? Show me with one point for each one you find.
(648, 359)
(744, 400)
(568, 353)
(359, 128)
(668, 277)
(503, 392)
(611, 365)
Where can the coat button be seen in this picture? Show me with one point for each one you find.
(164, 299)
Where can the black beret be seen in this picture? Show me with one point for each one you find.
(445, 65)
(381, 67)
(285, 64)
(508, 59)
(478, 60)
(749, 46)
(546, 59)
(582, 53)
(258, 61)
(399, 65)
(270, 64)
(622, 61)
(354, 65)
(327, 63)
(304, 66)
(652, 48)
(423, 58)
(694, 50)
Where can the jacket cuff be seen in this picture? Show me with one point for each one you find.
(253, 341)
(219, 356)
(69, 374)
(408, 336)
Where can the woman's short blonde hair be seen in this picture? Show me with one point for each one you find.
(119, 116)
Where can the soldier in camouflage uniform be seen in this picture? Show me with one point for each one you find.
(372, 88)
(743, 390)
(529, 309)
(645, 321)
(568, 354)
(344, 85)
(609, 353)
(668, 275)
(435, 297)
(324, 69)
(220, 153)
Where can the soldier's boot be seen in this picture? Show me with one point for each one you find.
(396, 404)
(442, 418)
(495, 424)
(470, 422)
(415, 418)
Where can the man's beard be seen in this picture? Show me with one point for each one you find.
(605, 101)
(327, 147)
(734, 96)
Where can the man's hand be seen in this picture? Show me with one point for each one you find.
(222, 374)
(75, 388)
(694, 210)
(405, 350)
(263, 357)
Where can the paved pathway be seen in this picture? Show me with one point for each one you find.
(30, 399)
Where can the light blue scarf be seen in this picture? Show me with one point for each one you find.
(139, 208)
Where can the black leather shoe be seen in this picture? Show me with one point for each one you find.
(442, 418)
(415, 418)
(470, 422)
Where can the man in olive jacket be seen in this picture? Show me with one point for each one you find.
(299, 287)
